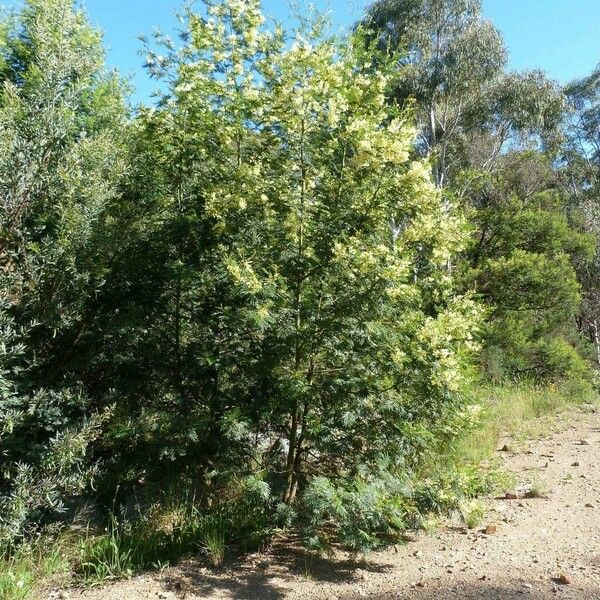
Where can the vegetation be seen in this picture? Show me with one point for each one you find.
(307, 290)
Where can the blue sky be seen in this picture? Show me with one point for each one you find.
(560, 36)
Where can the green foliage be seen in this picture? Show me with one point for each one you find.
(579, 174)
(361, 515)
(254, 290)
(522, 263)
(23, 570)
(310, 319)
(59, 170)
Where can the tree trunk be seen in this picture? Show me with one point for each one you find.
(596, 340)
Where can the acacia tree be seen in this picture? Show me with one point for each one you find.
(311, 291)
(60, 168)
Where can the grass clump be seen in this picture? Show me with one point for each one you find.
(472, 513)
(26, 569)
(164, 532)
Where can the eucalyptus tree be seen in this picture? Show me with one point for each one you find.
(579, 174)
(448, 55)
(452, 66)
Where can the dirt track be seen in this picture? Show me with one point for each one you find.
(537, 541)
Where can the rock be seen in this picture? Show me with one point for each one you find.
(584, 442)
(418, 554)
(505, 448)
(491, 529)
(589, 505)
(58, 594)
(575, 464)
(511, 496)
(563, 579)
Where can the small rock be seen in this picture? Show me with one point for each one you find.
(511, 496)
(563, 579)
(589, 505)
(575, 464)
(505, 448)
(584, 442)
(418, 554)
(491, 529)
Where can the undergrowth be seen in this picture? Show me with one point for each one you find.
(360, 516)
(23, 570)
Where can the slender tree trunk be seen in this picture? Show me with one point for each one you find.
(596, 340)
(294, 452)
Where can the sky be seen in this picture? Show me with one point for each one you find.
(561, 37)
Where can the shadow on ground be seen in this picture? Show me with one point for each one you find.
(264, 578)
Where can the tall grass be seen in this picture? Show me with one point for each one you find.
(468, 467)
(165, 532)
(25, 569)
(153, 539)
(519, 412)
